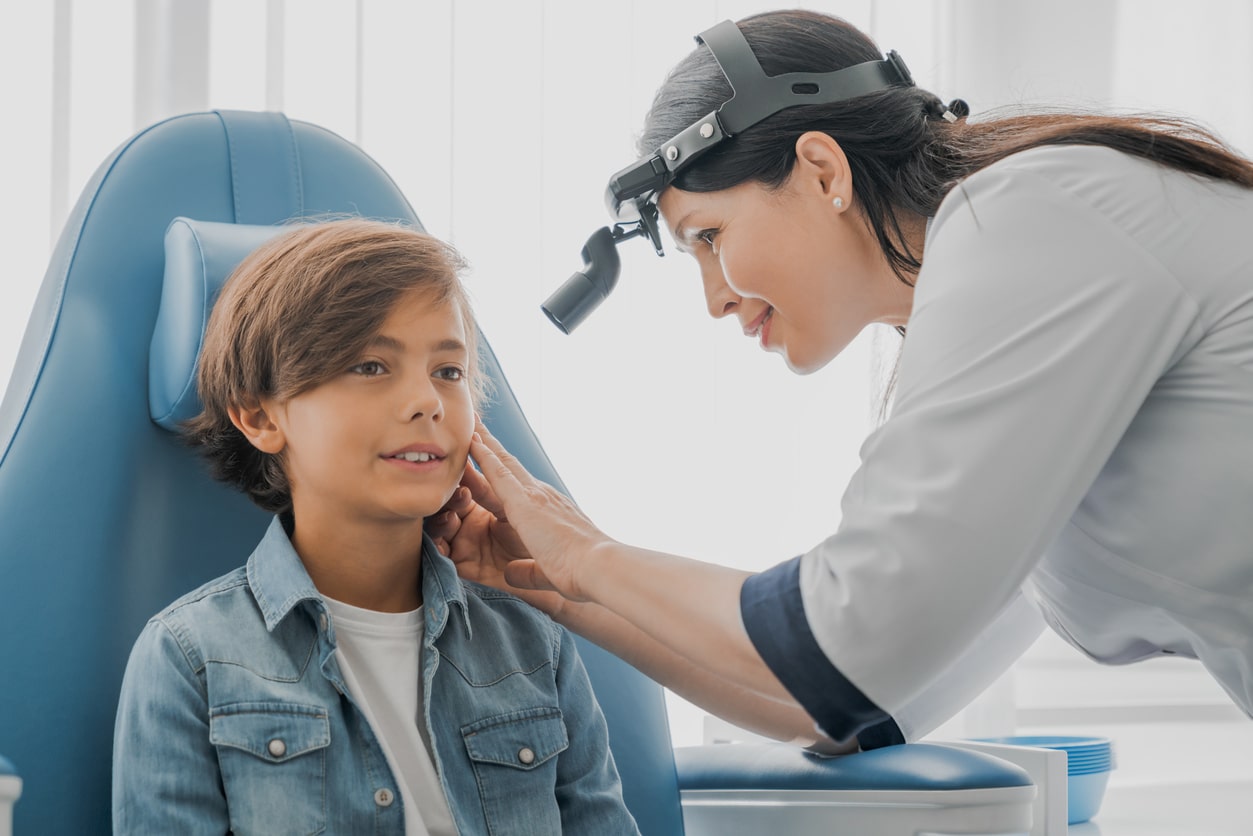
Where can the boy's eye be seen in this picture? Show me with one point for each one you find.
(707, 236)
(450, 373)
(370, 368)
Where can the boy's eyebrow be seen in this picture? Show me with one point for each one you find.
(384, 341)
(449, 344)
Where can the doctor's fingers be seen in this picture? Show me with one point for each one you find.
(514, 485)
(443, 525)
(499, 472)
(461, 502)
(442, 529)
(507, 460)
(526, 574)
(477, 490)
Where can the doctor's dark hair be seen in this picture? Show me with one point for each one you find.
(296, 313)
(903, 155)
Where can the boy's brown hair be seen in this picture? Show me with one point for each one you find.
(299, 311)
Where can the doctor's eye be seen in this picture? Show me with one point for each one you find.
(369, 368)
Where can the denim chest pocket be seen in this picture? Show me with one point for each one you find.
(273, 762)
(515, 760)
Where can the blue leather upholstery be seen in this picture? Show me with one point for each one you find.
(105, 517)
(199, 256)
(768, 767)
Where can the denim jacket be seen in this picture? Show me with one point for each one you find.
(234, 716)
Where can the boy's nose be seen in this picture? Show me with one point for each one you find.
(424, 402)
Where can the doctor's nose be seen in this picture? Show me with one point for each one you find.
(719, 297)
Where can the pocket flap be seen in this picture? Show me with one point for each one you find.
(273, 731)
(521, 739)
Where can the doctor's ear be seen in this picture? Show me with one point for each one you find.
(257, 424)
(822, 165)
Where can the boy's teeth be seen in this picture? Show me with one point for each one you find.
(416, 457)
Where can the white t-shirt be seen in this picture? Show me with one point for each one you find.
(378, 653)
(1072, 429)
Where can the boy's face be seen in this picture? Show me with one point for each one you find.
(387, 439)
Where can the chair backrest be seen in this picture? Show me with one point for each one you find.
(106, 517)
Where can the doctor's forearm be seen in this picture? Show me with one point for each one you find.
(771, 713)
(687, 606)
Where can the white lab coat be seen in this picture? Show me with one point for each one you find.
(1071, 438)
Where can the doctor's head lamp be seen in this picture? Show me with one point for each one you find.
(632, 193)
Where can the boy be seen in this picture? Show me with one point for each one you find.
(345, 681)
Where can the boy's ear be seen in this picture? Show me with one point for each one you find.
(258, 426)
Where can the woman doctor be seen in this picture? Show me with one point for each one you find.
(1071, 438)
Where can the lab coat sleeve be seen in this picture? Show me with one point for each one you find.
(980, 664)
(781, 634)
(1039, 326)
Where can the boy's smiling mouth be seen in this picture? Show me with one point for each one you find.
(414, 457)
(416, 454)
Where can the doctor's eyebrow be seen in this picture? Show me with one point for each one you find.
(681, 233)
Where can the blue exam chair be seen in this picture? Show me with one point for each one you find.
(105, 517)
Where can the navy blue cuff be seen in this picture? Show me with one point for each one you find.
(774, 615)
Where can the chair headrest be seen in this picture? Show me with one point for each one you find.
(199, 257)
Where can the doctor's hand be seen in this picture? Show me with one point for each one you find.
(472, 530)
(553, 534)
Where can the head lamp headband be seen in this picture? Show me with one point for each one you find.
(631, 196)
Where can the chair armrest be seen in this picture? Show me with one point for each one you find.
(733, 789)
(916, 766)
(1047, 768)
(10, 792)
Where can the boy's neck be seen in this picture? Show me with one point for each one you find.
(372, 567)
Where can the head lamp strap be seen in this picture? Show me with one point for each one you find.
(757, 95)
(754, 96)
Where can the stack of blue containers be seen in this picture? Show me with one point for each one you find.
(1088, 764)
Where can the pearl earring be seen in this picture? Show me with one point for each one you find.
(838, 203)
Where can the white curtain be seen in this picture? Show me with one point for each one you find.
(501, 121)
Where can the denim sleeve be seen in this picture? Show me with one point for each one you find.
(165, 773)
(589, 791)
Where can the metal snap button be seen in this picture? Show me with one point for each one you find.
(277, 748)
(384, 797)
(526, 756)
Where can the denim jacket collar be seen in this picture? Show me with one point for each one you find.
(279, 582)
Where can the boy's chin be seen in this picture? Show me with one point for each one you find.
(408, 512)
(417, 505)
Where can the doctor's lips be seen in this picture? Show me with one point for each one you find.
(417, 453)
(755, 328)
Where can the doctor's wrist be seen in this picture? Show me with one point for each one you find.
(592, 573)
